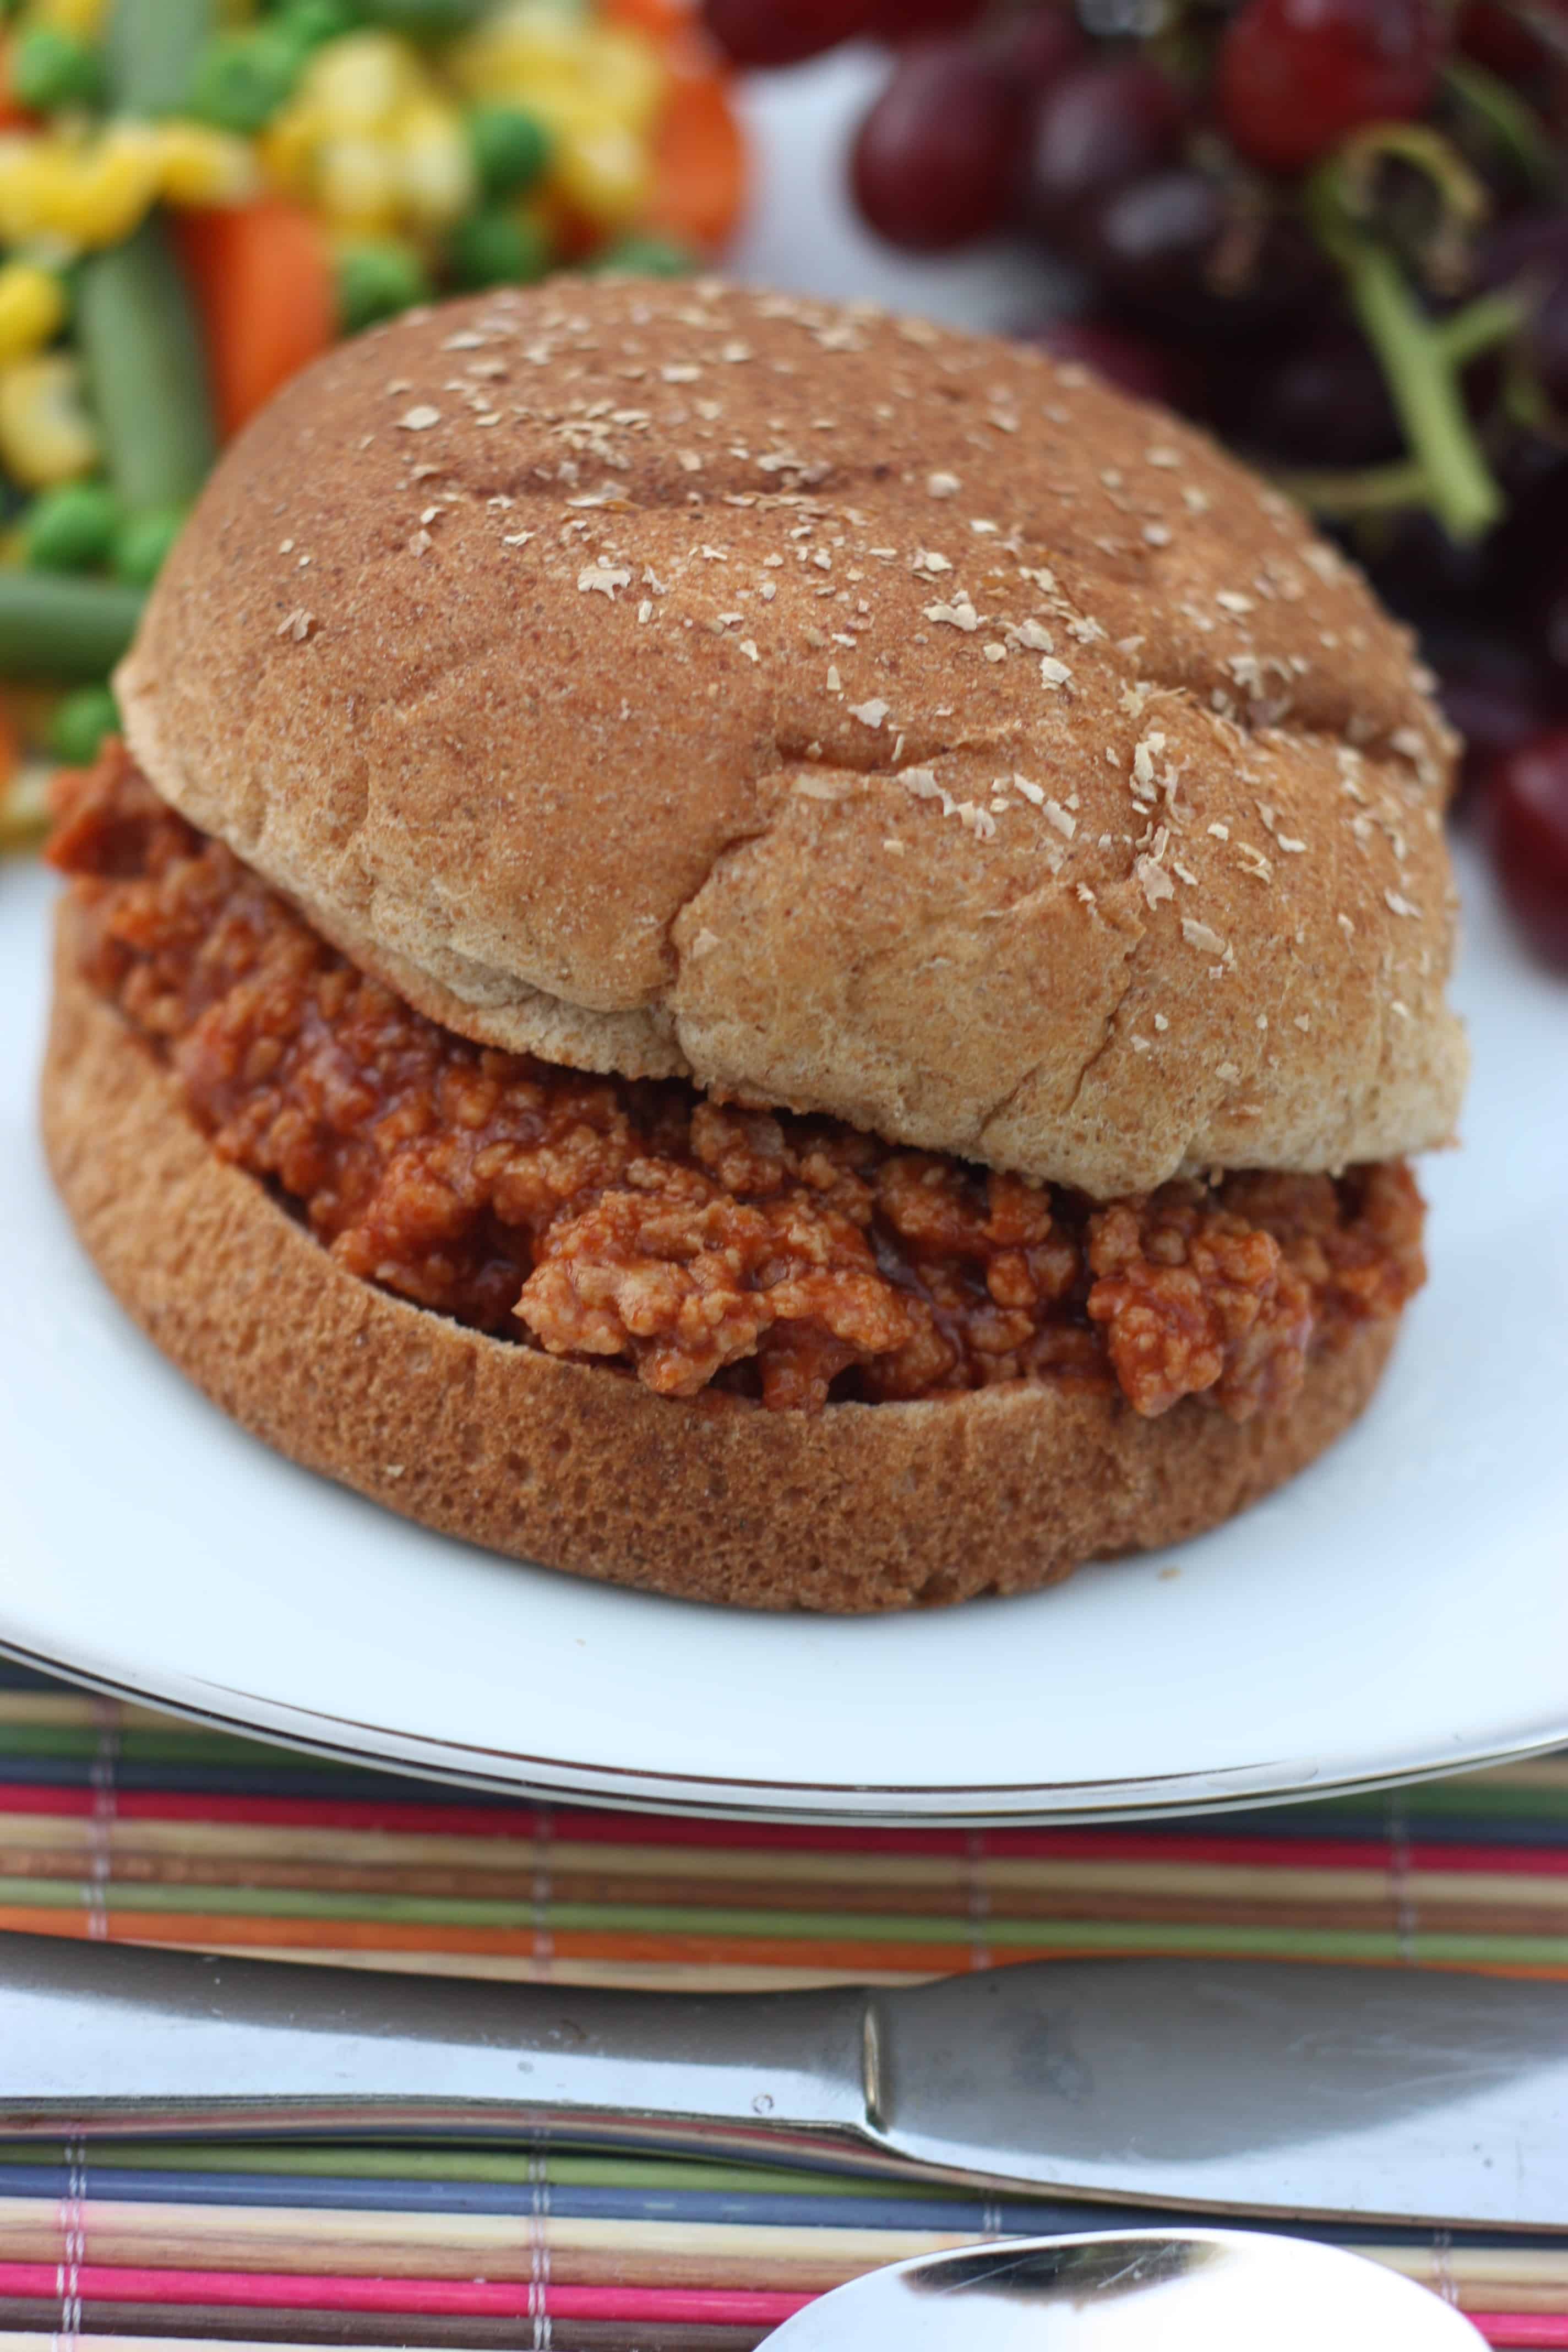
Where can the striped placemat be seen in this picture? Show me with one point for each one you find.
(119, 1822)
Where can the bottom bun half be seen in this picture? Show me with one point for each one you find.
(861, 1507)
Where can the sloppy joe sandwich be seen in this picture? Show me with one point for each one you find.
(758, 949)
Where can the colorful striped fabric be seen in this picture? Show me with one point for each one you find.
(121, 1823)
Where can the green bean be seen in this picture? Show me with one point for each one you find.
(151, 46)
(145, 370)
(54, 626)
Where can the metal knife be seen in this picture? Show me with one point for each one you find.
(1222, 2087)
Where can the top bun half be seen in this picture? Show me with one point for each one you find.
(844, 713)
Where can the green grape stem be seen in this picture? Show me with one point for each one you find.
(1358, 489)
(1481, 326)
(1421, 376)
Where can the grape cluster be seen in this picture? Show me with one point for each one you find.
(1333, 231)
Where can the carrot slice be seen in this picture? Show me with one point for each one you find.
(660, 19)
(699, 174)
(699, 177)
(262, 276)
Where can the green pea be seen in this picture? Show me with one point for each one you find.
(80, 722)
(510, 148)
(378, 278)
(647, 256)
(492, 247)
(242, 78)
(50, 69)
(141, 543)
(71, 529)
(308, 23)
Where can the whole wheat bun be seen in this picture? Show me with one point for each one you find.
(861, 1507)
(843, 713)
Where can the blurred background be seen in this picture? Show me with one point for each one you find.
(1334, 232)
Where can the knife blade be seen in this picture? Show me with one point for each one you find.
(1248, 2087)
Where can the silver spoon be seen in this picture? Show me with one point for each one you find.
(1132, 2290)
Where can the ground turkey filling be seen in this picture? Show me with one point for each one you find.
(705, 1247)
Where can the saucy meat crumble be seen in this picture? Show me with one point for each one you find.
(706, 1247)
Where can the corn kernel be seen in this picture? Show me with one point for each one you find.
(32, 309)
(113, 184)
(356, 184)
(76, 193)
(45, 435)
(30, 175)
(354, 84)
(287, 151)
(82, 17)
(197, 165)
(512, 47)
(434, 166)
(531, 57)
(601, 170)
(24, 801)
(626, 75)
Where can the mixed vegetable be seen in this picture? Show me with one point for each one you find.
(197, 197)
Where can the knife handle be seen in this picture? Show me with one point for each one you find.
(103, 2041)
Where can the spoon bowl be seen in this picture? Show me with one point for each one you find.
(1132, 2290)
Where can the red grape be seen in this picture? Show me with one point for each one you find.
(1493, 691)
(1534, 241)
(783, 32)
(1095, 129)
(1133, 362)
(1322, 401)
(913, 20)
(1037, 48)
(1528, 821)
(1156, 237)
(1496, 37)
(1552, 616)
(1548, 343)
(935, 160)
(1532, 250)
(1293, 76)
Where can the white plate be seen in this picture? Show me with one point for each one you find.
(1401, 1610)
